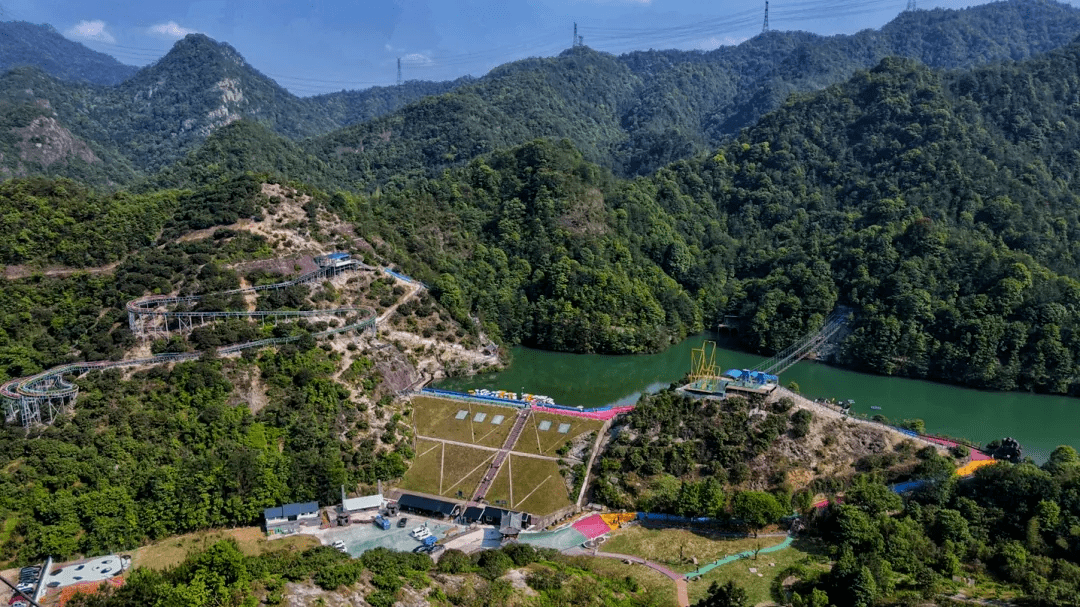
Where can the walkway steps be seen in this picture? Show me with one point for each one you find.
(500, 457)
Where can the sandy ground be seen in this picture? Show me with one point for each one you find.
(23, 271)
(804, 403)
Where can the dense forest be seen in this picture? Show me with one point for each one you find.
(637, 112)
(928, 202)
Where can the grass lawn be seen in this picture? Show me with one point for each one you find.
(499, 492)
(538, 487)
(463, 469)
(547, 442)
(252, 541)
(757, 588)
(437, 418)
(653, 583)
(676, 547)
(423, 474)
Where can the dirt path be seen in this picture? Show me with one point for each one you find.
(415, 288)
(24, 271)
(679, 579)
(805, 403)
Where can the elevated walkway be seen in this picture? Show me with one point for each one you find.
(39, 398)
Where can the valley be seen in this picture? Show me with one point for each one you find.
(256, 341)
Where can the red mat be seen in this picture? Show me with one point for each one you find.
(592, 526)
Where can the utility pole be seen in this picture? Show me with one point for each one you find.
(399, 71)
(765, 27)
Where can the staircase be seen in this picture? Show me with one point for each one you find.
(500, 457)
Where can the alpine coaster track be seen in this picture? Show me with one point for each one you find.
(33, 399)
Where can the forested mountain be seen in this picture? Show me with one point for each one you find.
(637, 112)
(941, 206)
(632, 113)
(25, 44)
(166, 109)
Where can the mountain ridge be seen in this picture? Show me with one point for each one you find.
(25, 44)
(631, 113)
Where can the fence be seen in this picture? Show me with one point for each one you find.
(486, 400)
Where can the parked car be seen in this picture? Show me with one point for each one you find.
(402, 522)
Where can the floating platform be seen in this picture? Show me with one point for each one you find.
(752, 388)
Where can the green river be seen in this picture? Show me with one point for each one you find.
(1039, 422)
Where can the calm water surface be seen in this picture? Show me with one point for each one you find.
(1039, 422)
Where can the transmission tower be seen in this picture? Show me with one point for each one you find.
(910, 5)
(576, 38)
(765, 27)
(399, 71)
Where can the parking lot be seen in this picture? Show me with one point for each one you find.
(361, 537)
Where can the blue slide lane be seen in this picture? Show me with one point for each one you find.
(746, 553)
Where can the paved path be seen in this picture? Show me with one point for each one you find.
(678, 578)
(500, 457)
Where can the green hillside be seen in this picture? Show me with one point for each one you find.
(25, 44)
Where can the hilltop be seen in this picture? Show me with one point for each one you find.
(632, 113)
(24, 44)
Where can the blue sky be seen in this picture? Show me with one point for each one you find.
(316, 47)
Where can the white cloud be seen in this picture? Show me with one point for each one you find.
(171, 29)
(714, 42)
(416, 59)
(93, 31)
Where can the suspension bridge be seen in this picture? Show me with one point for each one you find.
(39, 398)
(707, 379)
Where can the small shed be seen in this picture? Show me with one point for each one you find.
(427, 506)
(290, 517)
(513, 524)
(364, 508)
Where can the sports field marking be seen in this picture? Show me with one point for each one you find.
(489, 433)
(469, 473)
(433, 447)
(510, 474)
(537, 433)
(442, 458)
(541, 484)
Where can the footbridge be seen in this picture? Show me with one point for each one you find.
(802, 348)
(707, 379)
(41, 397)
